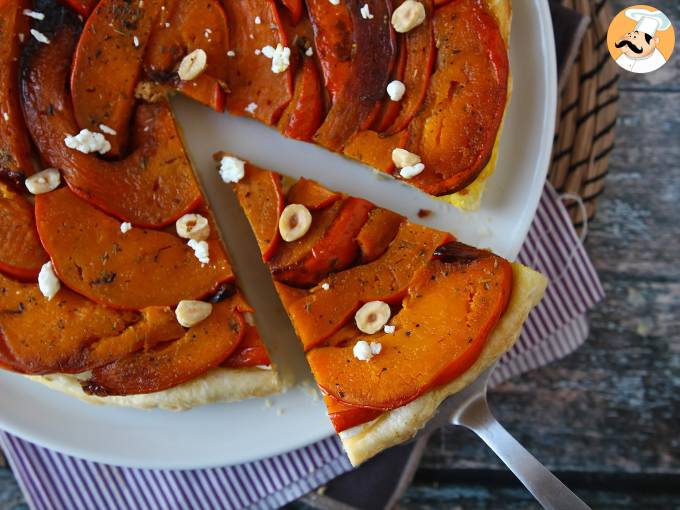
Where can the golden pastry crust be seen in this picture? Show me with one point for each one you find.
(470, 197)
(393, 427)
(218, 385)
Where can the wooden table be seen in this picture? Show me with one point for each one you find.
(607, 418)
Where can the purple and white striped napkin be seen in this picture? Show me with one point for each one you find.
(54, 481)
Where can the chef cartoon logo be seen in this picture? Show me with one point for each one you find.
(641, 39)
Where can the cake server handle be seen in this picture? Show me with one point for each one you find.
(548, 490)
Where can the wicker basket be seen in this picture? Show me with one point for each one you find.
(587, 112)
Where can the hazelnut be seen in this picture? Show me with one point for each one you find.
(403, 158)
(408, 15)
(294, 222)
(192, 65)
(371, 317)
(189, 312)
(43, 182)
(193, 226)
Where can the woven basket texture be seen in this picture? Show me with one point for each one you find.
(587, 112)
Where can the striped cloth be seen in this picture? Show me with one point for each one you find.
(54, 481)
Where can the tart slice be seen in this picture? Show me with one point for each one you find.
(393, 316)
(99, 297)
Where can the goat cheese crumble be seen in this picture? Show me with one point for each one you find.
(48, 282)
(201, 250)
(232, 169)
(86, 141)
(280, 57)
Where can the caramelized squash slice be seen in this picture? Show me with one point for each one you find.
(204, 346)
(305, 112)
(182, 27)
(455, 129)
(357, 102)
(320, 313)
(445, 321)
(15, 148)
(152, 187)
(311, 194)
(70, 334)
(251, 80)
(21, 254)
(134, 270)
(108, 64)
(260, 195)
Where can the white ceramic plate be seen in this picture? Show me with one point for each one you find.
(235, 433)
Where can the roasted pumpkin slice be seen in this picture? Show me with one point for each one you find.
(419, 52)
(204, 346)
(333, 42)
(320, 313)
(455, 129)
(311, 194)
(108, 64)
(182, 27)
(357, 103)
(15, 151)
(330, 245)
(374, 149)
(130, 270)
(70, 334)
(305, 112)
(255, 89)
(260, 195)
(251, 352)
(152, 187)
(21, 254)
(344, 416)
(378, 232)
(446, 318)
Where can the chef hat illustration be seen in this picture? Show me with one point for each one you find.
(648, 22)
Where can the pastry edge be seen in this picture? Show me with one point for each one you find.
(399, 425)
(217, 385)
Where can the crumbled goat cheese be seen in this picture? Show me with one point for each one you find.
(366, 12)
(335, 2)
(34, 14)
(48, 282)
(201, 250)
(280, 57)
(396, 90)
(363, 351)
(106, 129)
(309, 52)
(39, 36)
(86, 141)
(258, 51)
(325, 286)
(5, 116)
(257, 20)
(389, 329)
(232, 169)
(409, 172)
(135, 41)
(231, 53)
(251, 108)
(125, 227)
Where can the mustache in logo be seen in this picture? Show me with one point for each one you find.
(626, 42)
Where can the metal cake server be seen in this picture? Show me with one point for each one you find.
(469, 408)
